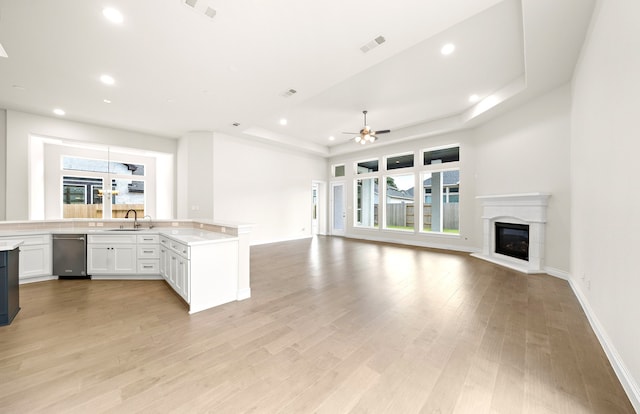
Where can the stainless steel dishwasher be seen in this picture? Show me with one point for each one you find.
(70, 255)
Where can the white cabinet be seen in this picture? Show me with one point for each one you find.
(175, 266)
(35, 255)
(111, 255)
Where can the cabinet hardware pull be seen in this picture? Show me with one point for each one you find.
(147, 251)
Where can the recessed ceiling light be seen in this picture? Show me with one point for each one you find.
(107, 101)
(283, 121)
(107, 80)
(474, 98)
(332, 138)
(113, 15)
(448, 49)
(59, 112)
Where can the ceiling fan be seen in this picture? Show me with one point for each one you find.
(366, 134)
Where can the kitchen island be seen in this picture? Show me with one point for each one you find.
(9, 288)
(205, 263)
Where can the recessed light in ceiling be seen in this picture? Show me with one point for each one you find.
(474, 98)
(107, 80)
(283, 121)
(107, 101)
(332, 138)
(113, 15)
(59, 112)
(448, 49)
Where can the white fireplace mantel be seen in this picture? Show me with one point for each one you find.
(528, 208)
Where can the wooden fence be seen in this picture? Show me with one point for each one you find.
(403, 215)
(95, 210)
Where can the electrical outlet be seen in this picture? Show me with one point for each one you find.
(92, 224)
(174, 224)
(588, 284)
(100, 224)
(223, 229)
(201, 225)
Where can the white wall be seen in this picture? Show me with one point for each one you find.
(528, 150)
(605, 140)
(20, 126)
(522, 151)
(195, 176)
(265, 185)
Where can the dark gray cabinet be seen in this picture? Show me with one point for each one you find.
(9, 288)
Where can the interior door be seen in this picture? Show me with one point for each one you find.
(338, 209)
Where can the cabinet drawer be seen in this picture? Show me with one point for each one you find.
(112, 239)
(149, 266)
(148, 238)
(148, 251)
(30, 240)
(181, 249)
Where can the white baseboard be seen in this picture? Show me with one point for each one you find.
(36, 279)
(126, 277)
(560, 274)
(416, 243)
(286, 239)
(243, 294)
(626, 379)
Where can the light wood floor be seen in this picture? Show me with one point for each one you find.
(334, 325)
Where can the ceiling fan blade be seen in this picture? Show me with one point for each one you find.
(352, 133)
(384, 131)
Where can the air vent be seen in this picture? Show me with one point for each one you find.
(289, 92)
(373, 44)
(201, 7)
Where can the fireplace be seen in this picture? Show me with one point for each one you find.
(512, 240)
(514, 230)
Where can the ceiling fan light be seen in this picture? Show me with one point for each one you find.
(358, 139)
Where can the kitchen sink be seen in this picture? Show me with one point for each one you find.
(125, 229)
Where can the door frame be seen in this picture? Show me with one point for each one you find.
(334, 231)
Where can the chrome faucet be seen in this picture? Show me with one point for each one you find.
(150, 223)
(135, 218)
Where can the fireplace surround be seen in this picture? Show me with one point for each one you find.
(515, 211)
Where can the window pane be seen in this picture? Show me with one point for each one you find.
(367, 166)
(399, 202)
(84, 164)
(127, 195)
(366, 203)
(400, 161)
(441, 156)
(338, 171)
(440, 193)
(80, 197)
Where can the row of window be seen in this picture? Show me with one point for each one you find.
(434, 207)
(399, 161)
(427, 200)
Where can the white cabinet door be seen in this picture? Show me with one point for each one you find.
(35, 260)
(124, 259)
(182, 275)
(108, 260)
(164, 257)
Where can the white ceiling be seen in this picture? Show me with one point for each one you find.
(177, 70)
